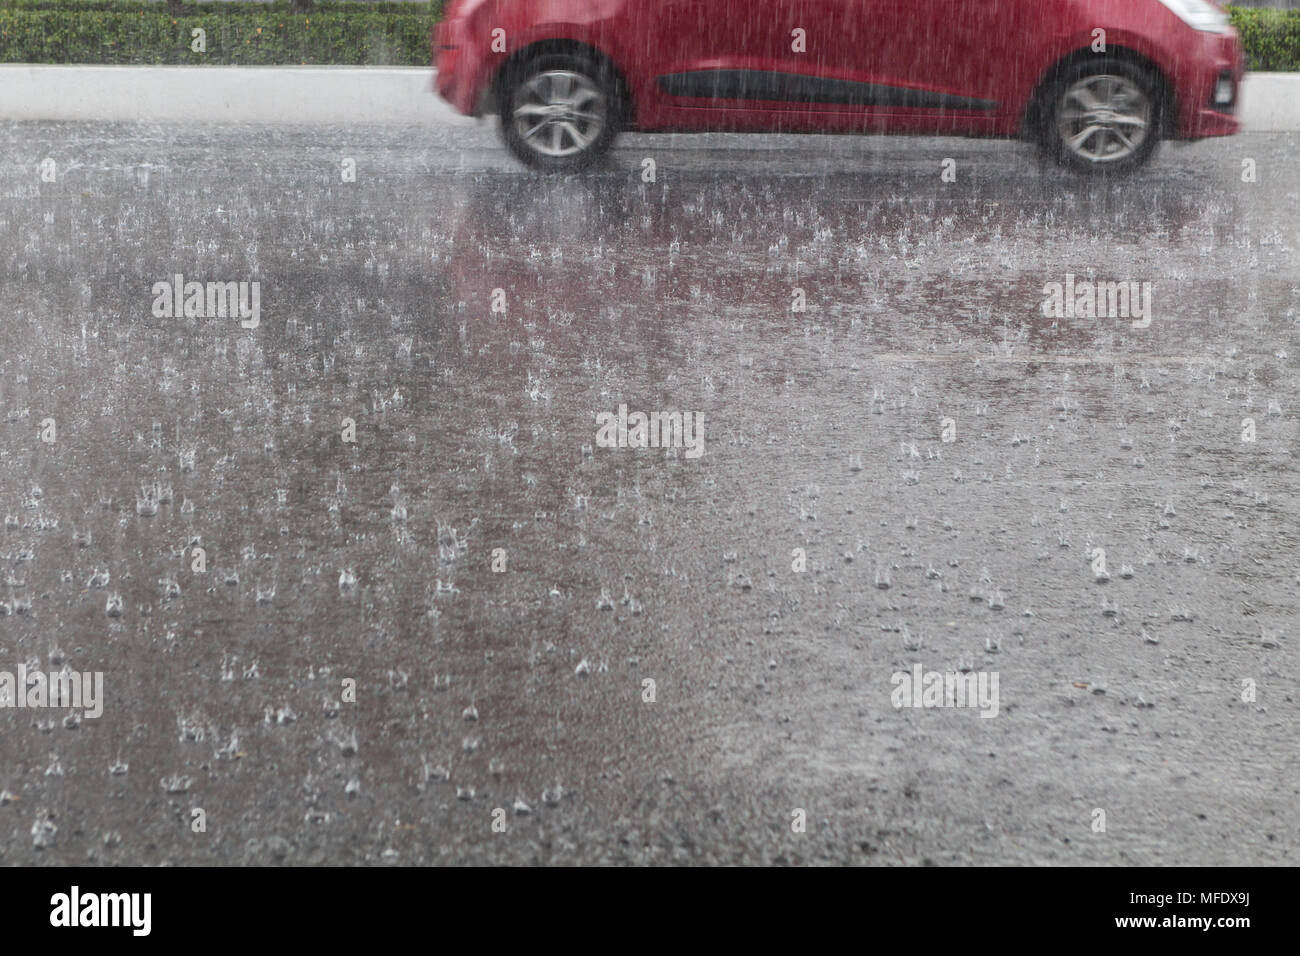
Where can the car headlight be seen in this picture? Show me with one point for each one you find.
(1200, 15)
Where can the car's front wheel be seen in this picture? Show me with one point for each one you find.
(1104, 116)
(559, 113)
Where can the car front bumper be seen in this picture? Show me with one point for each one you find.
(1209, 89)
(459, 68)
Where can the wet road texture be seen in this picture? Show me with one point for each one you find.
(367, 585)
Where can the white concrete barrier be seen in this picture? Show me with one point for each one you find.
(223, 94)
(1270, 102)
(346, 94)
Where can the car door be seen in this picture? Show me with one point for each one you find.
(809, 58)
(915, 56)
(953, 55)
(844, 59)
(716, 54)
(795, 56)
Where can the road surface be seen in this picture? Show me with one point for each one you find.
(435, 620)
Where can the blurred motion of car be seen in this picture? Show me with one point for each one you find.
(1097, 83)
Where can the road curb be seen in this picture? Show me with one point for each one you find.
(346, 95)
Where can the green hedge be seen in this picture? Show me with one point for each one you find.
(134, 7)
(1271, 38)
(340, 33)
(113, 31)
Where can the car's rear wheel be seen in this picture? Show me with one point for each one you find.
(559, 113)
(1103, 117)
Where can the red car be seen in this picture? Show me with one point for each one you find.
(1097, 83)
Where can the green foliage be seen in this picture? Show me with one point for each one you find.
(220, 7)
(1271, 38)
(130, 31)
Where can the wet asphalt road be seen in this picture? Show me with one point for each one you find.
(523, 690)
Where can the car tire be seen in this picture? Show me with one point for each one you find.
(582, 99)
(1103, 117)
